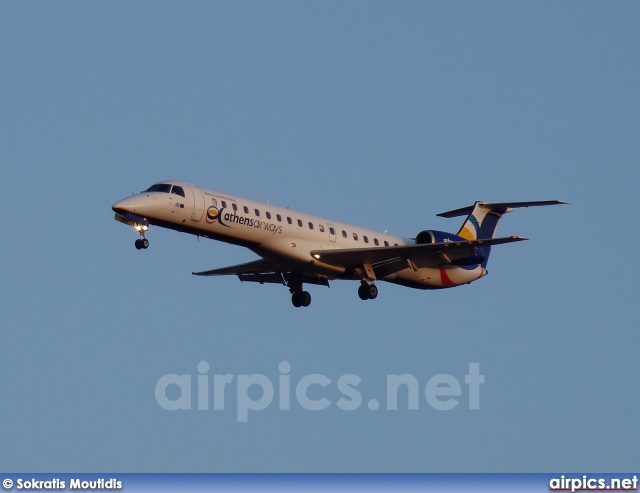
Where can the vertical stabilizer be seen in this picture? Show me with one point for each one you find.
(482, 221)
(483, 217)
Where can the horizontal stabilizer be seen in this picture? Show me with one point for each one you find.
(501, 207)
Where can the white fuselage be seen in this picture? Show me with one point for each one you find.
(279, 234)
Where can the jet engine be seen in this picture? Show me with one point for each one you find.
(475, 255)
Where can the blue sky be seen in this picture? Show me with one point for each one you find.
(376, 113)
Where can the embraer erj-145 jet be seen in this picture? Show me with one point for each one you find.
(298, 248)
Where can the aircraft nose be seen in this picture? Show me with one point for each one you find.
(134, 204)
(121, 206)
(118, 208)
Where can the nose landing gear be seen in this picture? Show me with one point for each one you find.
(142, 243)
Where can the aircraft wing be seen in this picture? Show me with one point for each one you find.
(255, 267)
(395, 258)
(257, 271)
(262, 271)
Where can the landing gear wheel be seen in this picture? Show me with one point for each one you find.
(373, 291)
(305, 298)
(138, 244)
(363, 292)
(300, 298)
(295, 299)
(144, 243)
(368, 291)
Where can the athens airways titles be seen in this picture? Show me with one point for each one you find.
(218, 215)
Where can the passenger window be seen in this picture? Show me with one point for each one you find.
(310, 225)
(300, 222)
(234, 207)
(395, 244)
(178, 190)
(366, 239)
(344, 233)
(376, 242)
(245, 209)
(289, 220)
(268, 215)
(279, 218)
(355, 236)
(386, 243)
(321, 228)
(214, 202)
(224, 204)
(257, 213)
(332, 230)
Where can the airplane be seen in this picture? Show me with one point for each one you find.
(296, 248)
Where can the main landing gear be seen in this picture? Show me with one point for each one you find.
(368, 291)
(300, 298)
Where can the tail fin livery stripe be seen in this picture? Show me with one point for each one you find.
(489, 225)
(481, 223)
(470, 228)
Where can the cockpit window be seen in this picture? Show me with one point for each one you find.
(178, 190)
(159, 187)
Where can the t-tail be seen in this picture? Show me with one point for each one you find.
(483, 217)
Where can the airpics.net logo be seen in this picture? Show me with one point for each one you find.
(312, 392)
